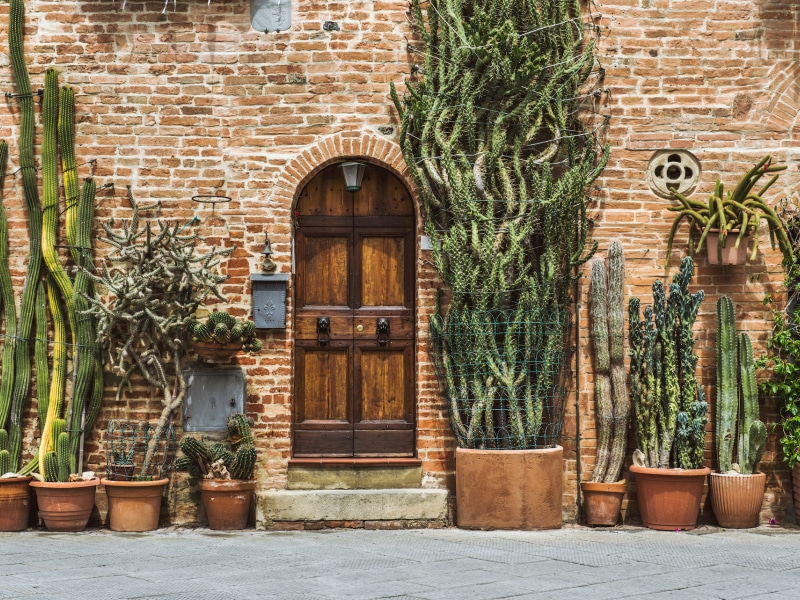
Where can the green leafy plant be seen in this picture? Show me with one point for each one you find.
(739, 210)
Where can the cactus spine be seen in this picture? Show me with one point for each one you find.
(669, 404)
(62, 450)
(737, 397)
(243, 463)
(50, 462)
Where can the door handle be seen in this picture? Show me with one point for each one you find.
(383, 332)
(323, 330)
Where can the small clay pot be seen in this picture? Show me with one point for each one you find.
(730, 254)
(736, 499)
(212, 352)
(227, 502)
(15, 503)
(669, 499)
(602, 502)
(65, 506)
(134, 505)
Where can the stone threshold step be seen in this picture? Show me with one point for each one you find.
(350, 505)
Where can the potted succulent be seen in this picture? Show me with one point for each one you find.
(737, 491)
(134, 495)
(503, 193)
(66, 500)
(602, 496)
(736, 214)
(669, 405)
(15, 492)
(221, 336)
(226, 473)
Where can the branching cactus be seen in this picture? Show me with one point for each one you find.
(737, 397)
(669, 405)
(201, 460)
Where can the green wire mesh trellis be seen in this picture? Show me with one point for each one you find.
(127, 443)
(503, 373)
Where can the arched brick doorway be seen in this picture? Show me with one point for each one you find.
(354, 328)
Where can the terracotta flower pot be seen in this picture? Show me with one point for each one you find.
(509, 489)
(134, 505)
(669, 499)
(15, 503)
(736, 499)
(227, 502)
(796, 489)
(65, 506)
(602, 501)
(730, 254)
(212, 352)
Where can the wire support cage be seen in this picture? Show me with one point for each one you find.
(503, 373)
(135, 451)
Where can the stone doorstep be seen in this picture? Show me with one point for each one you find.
(351, 478)
(412, 504)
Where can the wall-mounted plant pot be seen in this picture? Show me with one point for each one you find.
(211, 352)
(736, 499)
(227, 502)
(65, 506)
(669, 499)
(729, 253)
(15, 503)
(602, 502)
(134, 505)
(509, 489)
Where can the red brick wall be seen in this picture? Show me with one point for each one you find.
(195, 102)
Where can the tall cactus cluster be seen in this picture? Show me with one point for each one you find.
(668, 402)
(47, 285)
(217, 461)
(608, 335)
(737, 397)
(493, 131)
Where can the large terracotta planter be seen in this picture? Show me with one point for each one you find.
(730, 254)
(15, 503)
(509, 489)
(65, 506)
(796, 489)
(602, 502)
(736, 499)
(227, 502)
(134, 505)
(669, 499)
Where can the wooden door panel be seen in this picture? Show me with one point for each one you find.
(382, 194)
(371, 443)
(400, 325)
(326, 384)
(326, 269)
(382, 271)
(341, 324)
(382, 392)
(325, 195)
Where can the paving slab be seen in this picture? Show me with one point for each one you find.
(574, 562)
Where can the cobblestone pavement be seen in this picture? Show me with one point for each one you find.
(411, 564)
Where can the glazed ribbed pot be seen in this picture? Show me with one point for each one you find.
(65, 506)
(134, 505)
(669, 499)
(602, 502)
(15, 503)
(736, 499)
(509, 489)
(227, 502)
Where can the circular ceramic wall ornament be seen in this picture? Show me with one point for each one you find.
(673, 169)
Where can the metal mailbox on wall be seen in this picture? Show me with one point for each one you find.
(212, 395)
(269, 300)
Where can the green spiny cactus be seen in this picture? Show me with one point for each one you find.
(3, 439)
(229, 320)
(62, 450)
(248, 329)
(752, 432)
(202, 332)
(5, 462)
(187, 465)
(244, 462)
(236, 332)
(8, 310)
(254, 345)
(598, 292)
(239, 431)
(217, 317)
(50, 467)
(616, 335)
(197, 452)
(727, 383)
(222, 333)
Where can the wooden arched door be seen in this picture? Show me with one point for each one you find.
(354, 320)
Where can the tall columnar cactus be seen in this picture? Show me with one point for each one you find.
(616, 335)
(668, 402)
(737, 396)
(727, 383)
(602, 366)
(239, 431)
